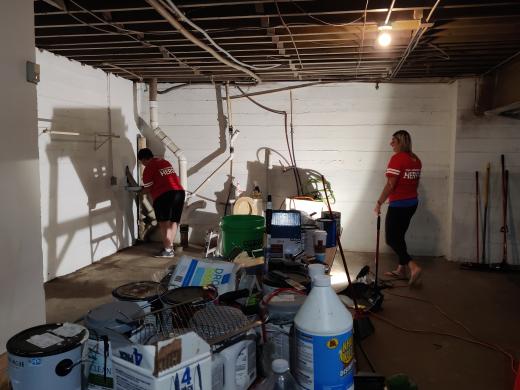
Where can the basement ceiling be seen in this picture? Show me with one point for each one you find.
(283, 40)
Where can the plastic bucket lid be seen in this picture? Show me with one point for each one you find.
(20, 346)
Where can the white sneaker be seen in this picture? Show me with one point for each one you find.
(166, 253)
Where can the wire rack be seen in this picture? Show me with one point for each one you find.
(214, 323)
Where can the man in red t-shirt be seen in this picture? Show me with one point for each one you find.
(162, 183)
(403, 174)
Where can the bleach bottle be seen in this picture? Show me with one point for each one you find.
(324, 341)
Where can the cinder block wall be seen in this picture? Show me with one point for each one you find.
(22, 300)
(479, 140)
(340, 130)
(84, 216)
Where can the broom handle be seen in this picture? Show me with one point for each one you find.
(477, 199)
(505, 185)
(339, 244)
(486, 196)
(377, 249)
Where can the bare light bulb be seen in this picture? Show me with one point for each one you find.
(384, 38)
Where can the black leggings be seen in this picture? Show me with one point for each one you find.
(396, 224)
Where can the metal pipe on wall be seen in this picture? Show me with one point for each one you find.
(229, 158)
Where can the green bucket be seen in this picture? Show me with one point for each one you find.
(242, 231)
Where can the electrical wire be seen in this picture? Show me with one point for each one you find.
(290, 34)
(123, 30)
(445, 55)
(185, 19)
(323, 21)
(362, 39)
(359, 343)
(292, 143)
(413, 42)
(173, 88)
(474, 339)
(284, 113)
(128, 33)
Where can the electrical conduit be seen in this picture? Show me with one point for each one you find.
(173, 21)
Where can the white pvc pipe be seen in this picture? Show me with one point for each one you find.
(167, 141)
(183, 163)
(154, 114)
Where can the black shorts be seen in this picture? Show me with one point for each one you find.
(168, 206)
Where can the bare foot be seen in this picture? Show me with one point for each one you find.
(415, 276)
(398, 274)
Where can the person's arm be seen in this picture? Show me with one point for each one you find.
(391, 182)
(147, 181)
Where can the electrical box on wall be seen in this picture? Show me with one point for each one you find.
(33, 72)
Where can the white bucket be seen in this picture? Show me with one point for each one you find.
(47, 357)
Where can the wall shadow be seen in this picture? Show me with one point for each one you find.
(222, 121)
(152, 141)
(85, 178)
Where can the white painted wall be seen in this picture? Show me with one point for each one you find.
(479, 140)
(21, 285)
(341, 130)
(84, 218)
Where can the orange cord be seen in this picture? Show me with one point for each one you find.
(474, 340)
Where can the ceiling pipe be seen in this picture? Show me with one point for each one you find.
(389, 12)
(166, 141)
(414, 42)
(169, 17)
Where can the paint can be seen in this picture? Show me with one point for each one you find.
(336, 215)
(329, 225)
(47, 357)
(320, 235)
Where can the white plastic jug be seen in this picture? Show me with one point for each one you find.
(324, 340)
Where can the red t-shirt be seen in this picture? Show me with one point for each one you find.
(160, 177)
(408, 171)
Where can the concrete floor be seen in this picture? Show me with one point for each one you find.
(488, 304)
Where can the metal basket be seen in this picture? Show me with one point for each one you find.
(214, 323)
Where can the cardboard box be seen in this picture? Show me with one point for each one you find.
(180, 363)
(196, 272)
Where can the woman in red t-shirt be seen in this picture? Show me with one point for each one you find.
(403, 174)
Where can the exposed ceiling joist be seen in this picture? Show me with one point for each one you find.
(331, 39)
